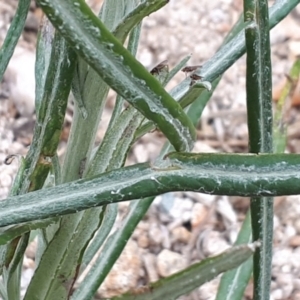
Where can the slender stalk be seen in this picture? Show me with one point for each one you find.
(259, 110)
(219, 174)
(13, 34)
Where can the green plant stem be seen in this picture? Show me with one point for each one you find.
(234, 282)
(259, 110)
(13, 35)
(219, 174)
(132, 47)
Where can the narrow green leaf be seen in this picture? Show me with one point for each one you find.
(13, 35)
(279, 124)
(108, 222)
(134, 17)
(261, 175)
(18, 230)
(132, 47)
(124, 127)
(42, 61)
(234, 282)
(119, 69)
(12, 273)
(112, 16)
(3, 293)
(185, 97)
(258, 85)
(259, 111)
(192, 277)
(50, 109)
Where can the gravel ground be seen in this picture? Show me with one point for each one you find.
(180, 228)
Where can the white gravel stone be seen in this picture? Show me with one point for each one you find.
(21, 80)
(169, 262)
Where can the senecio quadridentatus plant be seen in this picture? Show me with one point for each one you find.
(71, 206)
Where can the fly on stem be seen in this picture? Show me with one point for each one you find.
(161, 71)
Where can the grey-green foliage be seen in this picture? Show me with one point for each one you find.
(85, 55)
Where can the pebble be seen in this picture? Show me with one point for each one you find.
(149, 260)
(180, 234)
(224, 208)
(285, 281)
(295, 48)
(199, 214)
(205, 199)
(5, 180)
(25, 279)
(169, 262)
(143, 241)
(211, 243)
(20, 76)
(155, 234)
(140, 152)
(125, 274)
(28, 263)
(181, 209)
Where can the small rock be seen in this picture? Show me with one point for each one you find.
(277, 294)
(155, 234)
(282, 257)
(149, 260)
(199, 214)
(143, 241)
(180, 234)
(296, 282)
(295, 48)
(285, 281)
(297, 226)
(202, 147)
(21, 82)
(25, 280)
(5, 180)
(31, 249)
(32, 23)
(205, 199)
(296, 295)
(140, 152)
(28, 263)
(124, 275)
(224, 208)
(181, 209)
(169, 262)
(212, 243)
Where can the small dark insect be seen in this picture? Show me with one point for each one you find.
(189, 69)
(159, 67)
(195, 77)
(8, 160)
